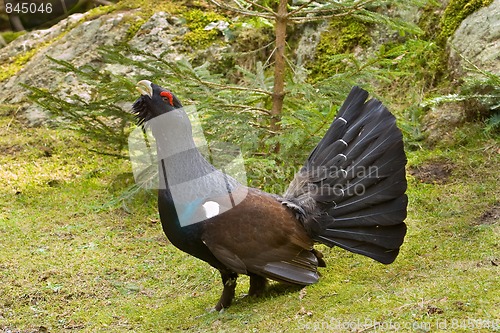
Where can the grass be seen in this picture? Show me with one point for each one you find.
(68, 264)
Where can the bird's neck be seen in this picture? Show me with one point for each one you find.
(182, 167)
(173, 133)
(180, 163)
(177, 151)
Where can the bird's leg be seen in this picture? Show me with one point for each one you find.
(257, 285)
(229, 282)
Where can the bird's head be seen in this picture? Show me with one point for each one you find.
(154, 101)
(160, 111)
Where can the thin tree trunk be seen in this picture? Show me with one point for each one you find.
(279, 68)
(16, 23)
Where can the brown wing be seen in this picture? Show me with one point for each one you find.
(262, 236)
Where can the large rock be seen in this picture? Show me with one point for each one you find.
(77, 40)
(78, 46)
(477, 39)
(441, 122)
(474, 43)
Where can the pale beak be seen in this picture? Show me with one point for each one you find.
(145, 88)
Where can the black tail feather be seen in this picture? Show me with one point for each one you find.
(388, 237)
(381, 254)
(388, 213)
(384, 190)
(356, 178)
(350, 110)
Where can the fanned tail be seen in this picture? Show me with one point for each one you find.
(351, 191)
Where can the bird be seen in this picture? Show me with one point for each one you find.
(349, 193)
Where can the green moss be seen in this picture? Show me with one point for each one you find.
(10, 69)
(134, 27)
(99, 11)
(9, 36)
(196, 21)
(342, 36)
(148, 8)
(430, 14)
(456, 12)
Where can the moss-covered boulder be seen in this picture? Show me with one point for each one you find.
(475, 42)
(77, 40)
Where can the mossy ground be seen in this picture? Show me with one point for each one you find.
(66, 264)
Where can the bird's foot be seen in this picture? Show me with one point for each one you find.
(229, 282)
(215, 309)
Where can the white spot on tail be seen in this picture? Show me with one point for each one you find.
(340, 118)
(211, 208)
(343, 142)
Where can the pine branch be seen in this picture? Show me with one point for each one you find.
(242, 11)
(348, 10)
(264, 128)
(236, 88)
(247, 108)
(264, 8)
(252, 51)
(293, 12)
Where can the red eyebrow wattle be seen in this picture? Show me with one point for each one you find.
(169, 96)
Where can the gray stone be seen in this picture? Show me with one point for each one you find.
(76, 40)
(477, 39)
(78, 46)
(158, 36)
(441, 122)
